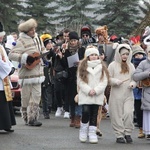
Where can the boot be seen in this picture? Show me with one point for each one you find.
(77, 121)
(128, 139)
(23, 111)
(92, 135)
(33, 114)
(46, 115)
(72, 123)
(141, 134)
(34, 123)
(83, 132)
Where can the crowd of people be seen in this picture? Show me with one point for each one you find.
(79, 77)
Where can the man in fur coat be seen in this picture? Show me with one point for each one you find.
(31, 76)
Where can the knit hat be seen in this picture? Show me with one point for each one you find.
(46, 38)
(86, 30)
(2, 32)
(137, 49)
(27, 25)
(73, 35)
(91, 50)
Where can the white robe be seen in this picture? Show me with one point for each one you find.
(5, 68)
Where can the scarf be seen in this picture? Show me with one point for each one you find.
(136, 61)
(73, 49)
(93, 63)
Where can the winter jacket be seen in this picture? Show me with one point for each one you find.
(72, 72)
(25, 46)
(142, 72)
(94, 70)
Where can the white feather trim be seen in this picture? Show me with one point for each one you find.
(24, 58)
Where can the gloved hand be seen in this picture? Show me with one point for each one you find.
(12, 71)
(30, 60)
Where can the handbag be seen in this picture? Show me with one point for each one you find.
(62, 75)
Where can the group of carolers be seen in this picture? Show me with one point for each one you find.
(85, 78)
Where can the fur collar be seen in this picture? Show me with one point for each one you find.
(94, 66)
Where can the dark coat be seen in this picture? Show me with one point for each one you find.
(7, 117)
(73, 70)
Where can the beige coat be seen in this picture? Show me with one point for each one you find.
(25, 46)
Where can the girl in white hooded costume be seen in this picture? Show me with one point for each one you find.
(121, 101)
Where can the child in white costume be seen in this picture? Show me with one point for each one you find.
(92, 80)
(121, 101)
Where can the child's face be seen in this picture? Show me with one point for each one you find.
(138, 55)
(49, 46)
(124, 56)
(93, 57)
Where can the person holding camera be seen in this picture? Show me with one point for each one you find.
(47, 86)
(60, 77)
(86, 36)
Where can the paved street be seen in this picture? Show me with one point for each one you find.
(55, 134)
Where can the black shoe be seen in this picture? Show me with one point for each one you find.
(49, 109)
(128, 139)
(34, 123)
(120, 140)
(9, 130)
(148, 137)
(46, 116)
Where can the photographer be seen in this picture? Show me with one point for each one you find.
(60, 77)
(47, 89)
(86, 36)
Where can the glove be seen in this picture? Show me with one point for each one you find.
(12, 71)
(30, 60)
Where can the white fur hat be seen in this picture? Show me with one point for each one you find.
(90, 51)
(27, 25)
